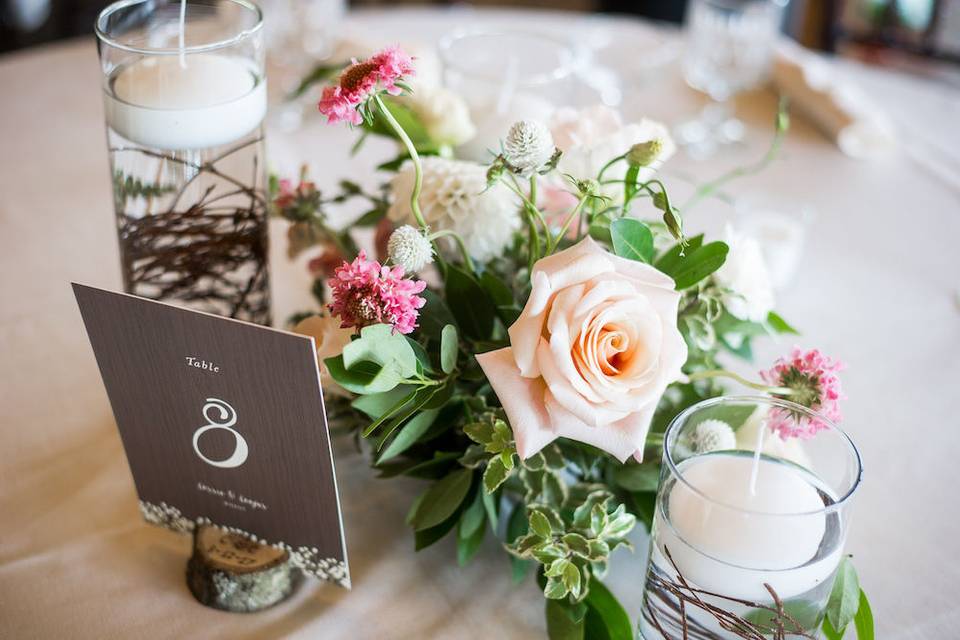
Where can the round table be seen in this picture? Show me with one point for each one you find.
(877, 287)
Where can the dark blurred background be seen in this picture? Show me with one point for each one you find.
(904, 33)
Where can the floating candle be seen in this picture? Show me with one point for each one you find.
(727, 539)
(209, 101)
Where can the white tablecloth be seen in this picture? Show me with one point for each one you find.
(878, 287)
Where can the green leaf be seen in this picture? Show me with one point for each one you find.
(554, 590)
(490, 506)
(425, 538)
(495, 475)
(517, 527)
(499, 292)
(637, 477)
(442, 499)
(480, 432)
(672, 258)
(698, 264)
(470, 304)
(844, 596)
(540, 525)
(829, 631)
(863, 621)
(780, 325)
(605, 611)
(449, 347)
(632, 239)
(363, 377)
(409, 434)
(571, 579)
(319, 73)
(644, 505)
(377, 404)
(468, 546)
(804, 612)
(434, 315)
(390, 413)
(564, 622)
(379, 343)
(472, 517)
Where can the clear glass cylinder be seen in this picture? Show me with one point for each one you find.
(185, 95)
(505, 76)
(730, 43)
(747, 522)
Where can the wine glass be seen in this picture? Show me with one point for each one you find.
(729, 48)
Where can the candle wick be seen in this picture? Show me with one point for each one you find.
(183, 26)
(755, 468)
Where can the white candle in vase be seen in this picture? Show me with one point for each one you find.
(206, 101)
(721, 540)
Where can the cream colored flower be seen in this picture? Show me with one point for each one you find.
(409, 248)
(528, 146)
(590, 138)
(592, 352)
(455, 196)
(443, 113)
(329, 339)
(744, 276)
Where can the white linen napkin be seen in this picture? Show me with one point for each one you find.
(841, 110)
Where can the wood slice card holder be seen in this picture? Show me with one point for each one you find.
(230, 572)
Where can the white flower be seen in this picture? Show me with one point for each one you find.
(744, 275)
(443, 113)
(528, 146)
(455, 196)
(589, 138)
(409, 248)
(713, 435)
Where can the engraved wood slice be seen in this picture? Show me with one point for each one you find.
(230, 572)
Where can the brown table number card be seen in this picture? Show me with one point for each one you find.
(223, 424)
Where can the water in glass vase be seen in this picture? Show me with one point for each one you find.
(187, 160)
(761, 566)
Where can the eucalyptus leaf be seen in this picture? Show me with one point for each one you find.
(632, 239)
(362, 377)
(442, 499)
(409, 434)
(449, 348)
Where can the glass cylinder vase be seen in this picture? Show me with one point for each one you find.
(185, 96)
(750, 522)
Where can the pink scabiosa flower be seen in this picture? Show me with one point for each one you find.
(812, 378)
(298, 202)
(365, 292)
(361, 81)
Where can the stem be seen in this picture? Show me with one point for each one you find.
(608, 165)
(723, 373)
(708, 188)
(414, 156)
(460, 244)
(566, 224)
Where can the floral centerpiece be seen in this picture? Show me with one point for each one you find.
(530, 326)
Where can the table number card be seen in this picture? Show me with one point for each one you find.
(222, 422)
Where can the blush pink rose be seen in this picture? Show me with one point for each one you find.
(591, 354)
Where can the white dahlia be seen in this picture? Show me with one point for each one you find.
(455, 196)
(443, 113)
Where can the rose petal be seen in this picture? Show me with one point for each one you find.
(522, 400)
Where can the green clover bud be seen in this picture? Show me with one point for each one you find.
(589, 188)
(643, 154)
(495, 171)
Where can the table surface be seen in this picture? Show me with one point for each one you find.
(878, 287)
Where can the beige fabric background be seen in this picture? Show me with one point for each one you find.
(878, 287)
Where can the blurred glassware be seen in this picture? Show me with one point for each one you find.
(298, 33)
(506, 76)
(780, 226)
(729, 48)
